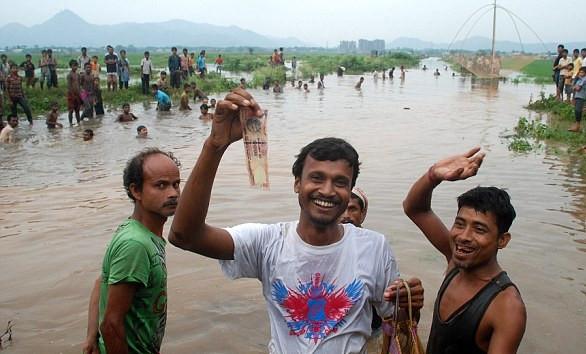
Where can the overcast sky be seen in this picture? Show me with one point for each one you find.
(324, 22)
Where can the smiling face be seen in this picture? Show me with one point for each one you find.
(323, 190)
(160, 188)
(475, 239)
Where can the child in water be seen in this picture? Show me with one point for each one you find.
(53, 116)
(184, 103)
(204, 112)
(142, 131)
(126, 115)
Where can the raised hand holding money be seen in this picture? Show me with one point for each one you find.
(226, 127)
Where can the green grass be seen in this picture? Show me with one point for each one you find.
(354, 64)
(541, 68)
(268, 73)
(530, 135)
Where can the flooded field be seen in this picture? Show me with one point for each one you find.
(61, 199)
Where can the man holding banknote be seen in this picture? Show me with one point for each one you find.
(321, 279)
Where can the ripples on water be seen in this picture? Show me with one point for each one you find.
(61, 199)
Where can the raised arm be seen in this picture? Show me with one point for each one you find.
(417, 204)
(189, 230)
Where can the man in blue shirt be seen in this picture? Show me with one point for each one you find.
(163, 100)
(174, 64)
(201, 63)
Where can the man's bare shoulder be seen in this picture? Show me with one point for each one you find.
(507, 305)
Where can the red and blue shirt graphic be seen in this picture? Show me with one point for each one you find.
(316, 308)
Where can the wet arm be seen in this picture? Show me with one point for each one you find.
(93, 313)
(509, 321)
(189, 230)
(417, 206)
(112, 329)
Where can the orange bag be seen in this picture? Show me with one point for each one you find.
(400, 336)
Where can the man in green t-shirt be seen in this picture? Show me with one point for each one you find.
(129, 300)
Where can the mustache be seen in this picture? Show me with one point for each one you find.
(170, 202)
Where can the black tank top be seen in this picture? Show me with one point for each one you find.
(457, 335)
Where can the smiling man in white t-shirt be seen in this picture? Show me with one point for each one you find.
(320, 278)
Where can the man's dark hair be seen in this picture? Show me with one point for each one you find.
(147, 52)
(72, 62)
(89, 131)
(565, 51)
(490, 199)
(83, 48)
(10, 116)
(28, 56)
(328, 149)
(204, 106)
(139, 128)
(560, 46)
(133, 172)
(583, 50)
(155, 86)
(576, 50)
(174, 49)
(583, 69)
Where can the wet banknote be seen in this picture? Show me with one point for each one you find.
(256, 147)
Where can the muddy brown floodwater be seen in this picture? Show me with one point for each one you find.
(61, 199)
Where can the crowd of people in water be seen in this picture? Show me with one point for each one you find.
(84, 92)
(569, 77)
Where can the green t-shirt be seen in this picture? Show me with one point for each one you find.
(136, 255)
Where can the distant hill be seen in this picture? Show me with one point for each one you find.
(480, 43)
(66, 29)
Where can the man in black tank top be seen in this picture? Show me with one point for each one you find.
(478, 309)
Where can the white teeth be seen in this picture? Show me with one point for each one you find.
(464, 249)
(323, 203)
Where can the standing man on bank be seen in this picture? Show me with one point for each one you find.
(129, 299)
(174, 65)
(320, 278)
(478, 309)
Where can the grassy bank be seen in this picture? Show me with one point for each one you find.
(354, 64)
(532, 69)
(551, 132)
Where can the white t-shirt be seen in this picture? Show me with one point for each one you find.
(146, 66)
(318, 298)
